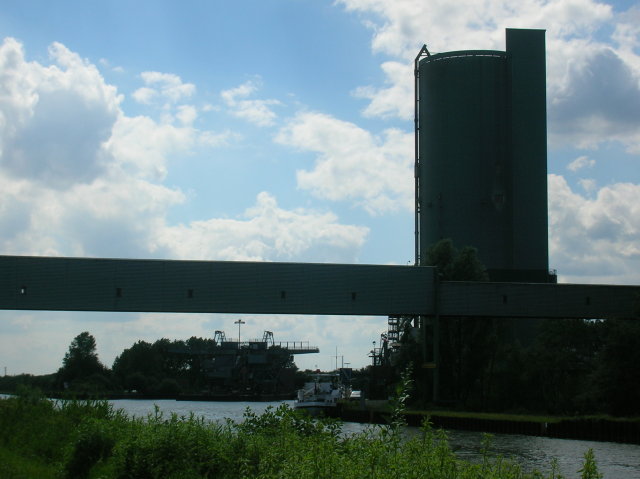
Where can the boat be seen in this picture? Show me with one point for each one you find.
(320, 396)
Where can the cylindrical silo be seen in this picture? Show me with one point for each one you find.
(464, 161)
(481, 177)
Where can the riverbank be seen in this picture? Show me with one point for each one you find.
(588, 428)
(594, 428)
(85, 439)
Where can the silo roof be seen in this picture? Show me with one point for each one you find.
(464, 53)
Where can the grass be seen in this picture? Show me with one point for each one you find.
(88, 439)
(490, 416)
(14, 465)
(383, 406)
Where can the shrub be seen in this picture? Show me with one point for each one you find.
(88, 439)
(94, 442)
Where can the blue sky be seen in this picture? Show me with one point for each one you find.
(280, 130)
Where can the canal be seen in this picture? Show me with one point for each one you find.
(614, 460)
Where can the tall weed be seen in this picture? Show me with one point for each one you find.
(90, 440)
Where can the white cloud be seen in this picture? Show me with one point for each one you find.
(145, 95)
(395, 100)
(167, 86)
(352, 164)
(580, 163)
(627, 36)
(589, 185)
(593, 70)
(99, 191)
(255, 111)
(107, 64)
(112, 216)
(597, 239)
(141, 146)
(54, 120)
(187, 114)
(599, 102)
(401, 27)
(212, 139)
(267, 232)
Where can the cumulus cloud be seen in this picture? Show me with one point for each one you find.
(394, 100)
(267, 232)
(141, 146)
(163, 86)
(589, 185)
(54, 120)
(600, 101)
(107, 64)
(593, 70)
(401, 27)
(580, 163)
(211, 139)
(352, 164)
(255, 111)
(595, 239)
(79, 177)
(186, 114)
(627, 35)
(144, 95)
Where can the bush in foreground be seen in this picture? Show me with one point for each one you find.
(90, 440)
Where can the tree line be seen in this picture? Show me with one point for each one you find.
(559, 366)
(146, 368)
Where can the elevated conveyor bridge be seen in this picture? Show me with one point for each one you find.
(130, 285)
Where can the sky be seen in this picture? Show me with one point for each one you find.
(280, 130)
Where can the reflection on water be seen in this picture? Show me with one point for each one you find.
(616, 461)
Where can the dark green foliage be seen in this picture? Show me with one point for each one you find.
(82, 360)
(467, 346)
(561, 362)
(168, 387)
(172, 447)
(615, 378)
(442, 255)
(10, 384)
(144, 365)
(578, 367)
(399, 400)
(589, 469)
(81, 369)
(87, 439)
(164, 367)
(94, 442)
(454, 265)
(561, 366)
(28, 422)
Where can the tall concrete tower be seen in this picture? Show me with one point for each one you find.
(481, 155)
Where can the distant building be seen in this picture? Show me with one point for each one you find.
(256, 368)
